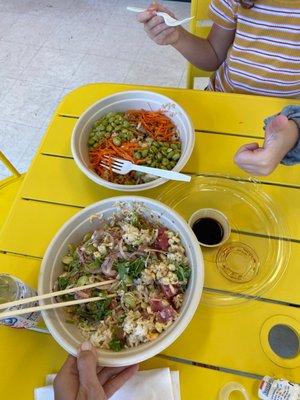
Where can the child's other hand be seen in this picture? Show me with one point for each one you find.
(156, 28)
(280, 137)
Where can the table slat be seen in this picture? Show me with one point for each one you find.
(41, 221)
(58, 180)
(205, 158)
(202, 383)
(230, 337)
(217, 112)
(31, 225)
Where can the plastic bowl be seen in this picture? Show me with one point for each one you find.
(124, 101)
(68, 335)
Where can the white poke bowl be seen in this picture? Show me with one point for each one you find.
(120, 102)
(68, 335)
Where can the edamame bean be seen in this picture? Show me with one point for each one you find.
(165, 162)
(144, 153)
(117, 141)
(170, 154)
(148, 160)
(67, 260)
(129, 135)
(87, 236)
(176, 156)
(83, 280)
(129, 300)
(137, 155)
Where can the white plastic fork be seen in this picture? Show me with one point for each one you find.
(170, 21)
(122, 167)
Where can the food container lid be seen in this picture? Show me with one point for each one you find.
(257, 252)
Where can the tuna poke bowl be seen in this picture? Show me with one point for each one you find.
(153, 263)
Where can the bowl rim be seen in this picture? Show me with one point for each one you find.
(130, 188)
(157, 346)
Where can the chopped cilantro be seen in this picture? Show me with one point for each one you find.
(122, 269)
(93, 312)
(94, 265)
(116, 345)
(182, 272)
(131, 269)
(75, 264)
(134, 220)
(62, 282)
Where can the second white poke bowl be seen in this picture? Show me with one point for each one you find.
(121, 102)
(68, 335)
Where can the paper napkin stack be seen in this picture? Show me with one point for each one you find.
(155, 384)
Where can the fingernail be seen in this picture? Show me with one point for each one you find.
(86, 346)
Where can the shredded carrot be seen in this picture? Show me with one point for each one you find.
(106, 151)
(156, 123)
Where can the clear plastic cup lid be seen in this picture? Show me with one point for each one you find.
(257, 252)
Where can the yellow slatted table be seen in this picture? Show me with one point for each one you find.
(220, 342)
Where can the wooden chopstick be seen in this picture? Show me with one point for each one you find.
(54, 294)
(53, 306)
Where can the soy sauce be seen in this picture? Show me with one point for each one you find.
(208, 231)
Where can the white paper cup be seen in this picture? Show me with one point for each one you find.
(217, 216)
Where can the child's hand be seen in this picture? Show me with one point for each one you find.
(280, 137)
(156, 28)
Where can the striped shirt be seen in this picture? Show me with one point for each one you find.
(264, 58)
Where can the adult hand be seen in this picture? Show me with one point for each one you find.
(83, 379)
(281, 135)
(156, 28)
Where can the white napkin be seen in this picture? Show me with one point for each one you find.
(175, 384)
(155, 384)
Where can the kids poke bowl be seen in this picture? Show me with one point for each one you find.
(154, 265)
(143, 127)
